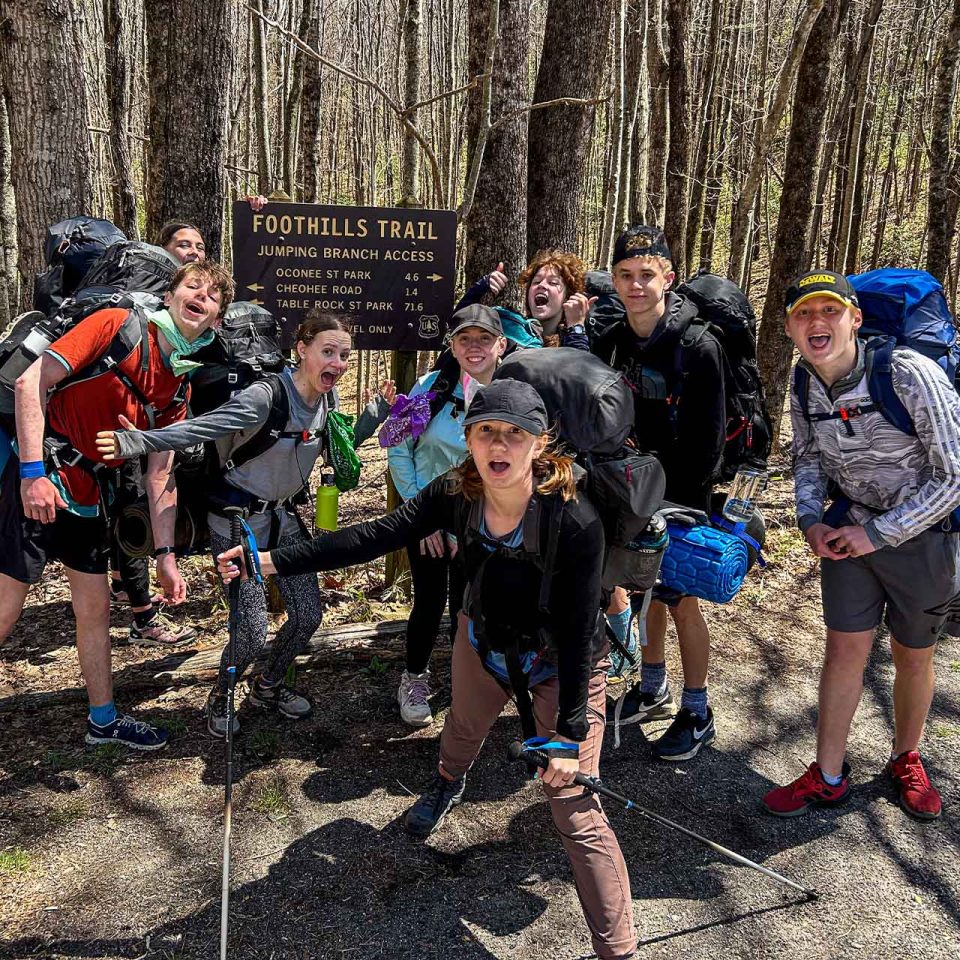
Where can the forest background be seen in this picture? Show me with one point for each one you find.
(766, 136)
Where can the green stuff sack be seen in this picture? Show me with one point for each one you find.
(343, 458)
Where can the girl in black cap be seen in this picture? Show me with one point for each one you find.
(532, 553)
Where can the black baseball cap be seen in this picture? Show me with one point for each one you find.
(476, 315)
(641, 241)
(820, 283)
(511, 401)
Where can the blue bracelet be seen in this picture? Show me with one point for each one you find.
(31, 469)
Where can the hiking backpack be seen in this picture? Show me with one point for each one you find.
(608, 308)
(901, 308)
(591, 409)
(246, 347)
(724, 310)
(70, 250)
(126, 267)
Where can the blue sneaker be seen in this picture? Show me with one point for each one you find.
(136, 734)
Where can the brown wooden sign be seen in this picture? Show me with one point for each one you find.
(389, 269)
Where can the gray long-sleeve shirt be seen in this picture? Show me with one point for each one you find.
(278, 473)
(900, 484)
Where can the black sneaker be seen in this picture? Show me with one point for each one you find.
(136, 734)
(216, 711)
(428, 812)
(285, 700)
(637, 707)
(685, 736)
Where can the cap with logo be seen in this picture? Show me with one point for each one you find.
(641, 241)
(820, 283)
(476, 315)
(511, 401)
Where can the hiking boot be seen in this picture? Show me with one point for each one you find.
(685, 736)
(216, 711)
(916, 794)
(637, 707)
(135, 734)
(413, 697)
(808, 790)
(428, 812)
(285, 700)
(161, 631)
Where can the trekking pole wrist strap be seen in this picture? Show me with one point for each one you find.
(32, 469)
(552, 748)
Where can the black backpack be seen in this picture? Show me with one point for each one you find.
(609, 307)
(129, 266)
(724, 310)
(245, 348)
(70, 250)
(591, 408)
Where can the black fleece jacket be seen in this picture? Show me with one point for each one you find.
(668, 379)
(511, 588)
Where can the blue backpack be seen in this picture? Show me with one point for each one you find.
(901, 308)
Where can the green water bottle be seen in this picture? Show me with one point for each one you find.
(327, 501)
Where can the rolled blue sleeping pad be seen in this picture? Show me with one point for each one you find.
(703, 561)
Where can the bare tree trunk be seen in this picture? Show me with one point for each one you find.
(678, 154)
(119, 44)
(261, 109)
(294, 101)
(560, 136)
(410, 163)
(944, 156)
(310, 113)
(188, 134)
(496, 227)
(51, 160)
(774, 349)
(635, 134)
(617, 126)
(659, 71)
(9, 286)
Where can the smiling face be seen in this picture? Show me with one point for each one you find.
(825, 332)
(194, 304)
(477, 351)
(546, 294)
(503, 453)
(187, 246)
(325, 359)
(642, 283)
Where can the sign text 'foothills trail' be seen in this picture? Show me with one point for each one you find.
(389, 269)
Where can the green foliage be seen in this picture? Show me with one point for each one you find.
(272, 799)
(376, 668)
(15, 860)
(74, 810)
(266, 744)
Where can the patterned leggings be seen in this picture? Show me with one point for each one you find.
(301, 595)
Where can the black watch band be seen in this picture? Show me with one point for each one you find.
(163, 551)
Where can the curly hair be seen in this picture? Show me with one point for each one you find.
(569, 266)
(213, 273)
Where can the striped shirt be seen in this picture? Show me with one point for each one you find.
(900, 484)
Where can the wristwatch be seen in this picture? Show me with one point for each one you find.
(163, 551)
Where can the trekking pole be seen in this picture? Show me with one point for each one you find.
(535, 758)
(236, 537)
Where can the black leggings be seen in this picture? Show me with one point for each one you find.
(430, 593)
(301, 595)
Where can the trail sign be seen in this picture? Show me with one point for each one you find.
(389, 269)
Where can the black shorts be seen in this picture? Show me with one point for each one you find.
(79, 543)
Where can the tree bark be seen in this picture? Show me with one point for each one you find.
(658, 69)
(618, 127)
(410, 161)
(774, 348)
(261, 110)
(944, 196)
(310, 111)
(188, 126)
(9, 286)
(51, 159)
(496, 226)
(560, 136)
(678, 154)
(119, 43)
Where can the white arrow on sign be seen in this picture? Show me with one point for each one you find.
(259, 303)
(254, 286)
(434, 277)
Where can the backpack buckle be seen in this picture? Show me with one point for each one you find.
(232, 378)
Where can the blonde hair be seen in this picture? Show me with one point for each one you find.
(552, 472)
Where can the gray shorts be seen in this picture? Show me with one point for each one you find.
(915, 582)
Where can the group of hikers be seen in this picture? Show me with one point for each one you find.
(496, 518)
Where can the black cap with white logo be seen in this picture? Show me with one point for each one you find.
(511, 401)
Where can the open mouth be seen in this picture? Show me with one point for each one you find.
(499, 467)
(541, 298)
(329, 379)
(195, 311)
(819, 340)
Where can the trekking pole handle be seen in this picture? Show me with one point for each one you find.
(537, 759)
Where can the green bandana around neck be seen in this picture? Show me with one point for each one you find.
(182, 347)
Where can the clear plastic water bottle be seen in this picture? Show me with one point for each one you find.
(746, 487)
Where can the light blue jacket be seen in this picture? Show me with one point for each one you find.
(414, 463)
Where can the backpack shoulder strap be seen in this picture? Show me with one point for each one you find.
(552, 515)
(801, 389)
(878, 360)
(270, 430)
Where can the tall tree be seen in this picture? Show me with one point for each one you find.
(41, 56)
(497, 221)
(8, 225)
(678, 153)
(944, 200)
(188, 118)
(774, 348)
(654, 191)
(119, 50)
(560, 136)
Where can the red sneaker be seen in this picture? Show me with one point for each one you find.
(807, 790)
(917, 795)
